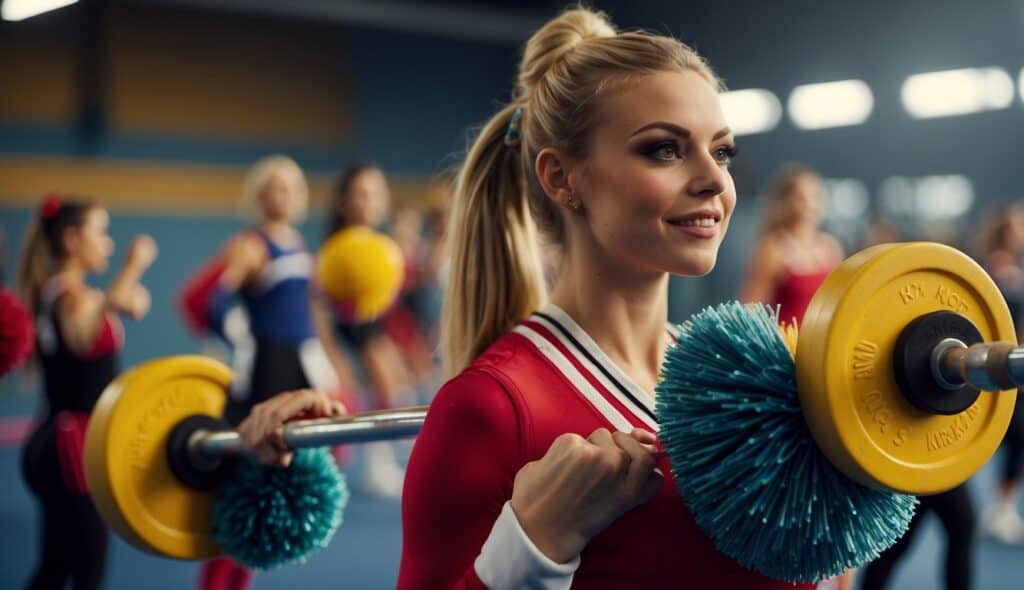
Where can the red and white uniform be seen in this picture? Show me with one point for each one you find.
(542, 379)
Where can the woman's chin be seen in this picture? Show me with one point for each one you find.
(696, 265)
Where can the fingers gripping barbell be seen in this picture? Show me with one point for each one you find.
(890, 362)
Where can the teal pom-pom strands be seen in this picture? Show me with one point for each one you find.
(266, 517)
(746, 463)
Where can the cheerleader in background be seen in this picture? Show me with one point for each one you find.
(78, 336)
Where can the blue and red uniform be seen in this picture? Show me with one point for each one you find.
(274, 347)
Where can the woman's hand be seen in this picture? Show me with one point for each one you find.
(261, 431)
(141, 253)
(581, 485)
(243, 255)
(126, 295)
(138, 304)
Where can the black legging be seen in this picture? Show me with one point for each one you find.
(956, 512)
(74, 541)
(1013, 459)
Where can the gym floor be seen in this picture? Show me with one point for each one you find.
(365, 552)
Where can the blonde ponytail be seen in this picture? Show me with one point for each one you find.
(496, 277)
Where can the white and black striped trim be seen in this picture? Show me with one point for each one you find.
(595, 397)
(615, 380)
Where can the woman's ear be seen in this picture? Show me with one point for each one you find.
(553, 172)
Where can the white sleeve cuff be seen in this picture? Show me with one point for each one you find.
(509, 559)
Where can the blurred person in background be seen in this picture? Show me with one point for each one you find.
(421, 236)
(956, 512)
(273, 333)
(78, 337)
(408, 321)
(880, 231)
(1001, 244)
(361, 197)
(792, 256)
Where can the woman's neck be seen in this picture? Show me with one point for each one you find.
(71, 271)
(803, 232)
(624, 313)
(279, 231)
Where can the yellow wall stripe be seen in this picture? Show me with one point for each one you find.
(135, 186)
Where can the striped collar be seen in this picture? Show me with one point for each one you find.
(582, 362)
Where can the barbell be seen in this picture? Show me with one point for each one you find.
(894, 351)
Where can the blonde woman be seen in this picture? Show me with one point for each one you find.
(273, 334)
(792, 256)
(538, 464)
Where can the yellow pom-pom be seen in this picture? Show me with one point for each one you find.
(361, 271)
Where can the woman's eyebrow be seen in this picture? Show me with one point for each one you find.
(680, 131)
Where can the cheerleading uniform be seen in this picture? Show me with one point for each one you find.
(542, 379)
(74, 540)
(794, 292)
(274, 345)
(271, 334)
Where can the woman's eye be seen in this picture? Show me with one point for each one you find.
(664, 151)
(725, 154)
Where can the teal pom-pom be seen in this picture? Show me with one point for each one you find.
(746, 463)
(266, 517)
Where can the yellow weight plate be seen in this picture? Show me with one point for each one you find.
(845, 377)
(125, 458)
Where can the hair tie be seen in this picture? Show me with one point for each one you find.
(50, 207)
(512, 134)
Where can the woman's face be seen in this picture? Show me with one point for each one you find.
(367, 200)
(91, 243)
(1015, 231)
(805, 202)
(280, 200)
(655, 186)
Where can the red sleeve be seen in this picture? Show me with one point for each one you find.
(195, 301)
(459, 476)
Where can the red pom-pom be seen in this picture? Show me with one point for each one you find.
(17, 332)
(50, 207)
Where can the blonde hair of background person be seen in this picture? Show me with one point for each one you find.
(270, 171)
(620, 153)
